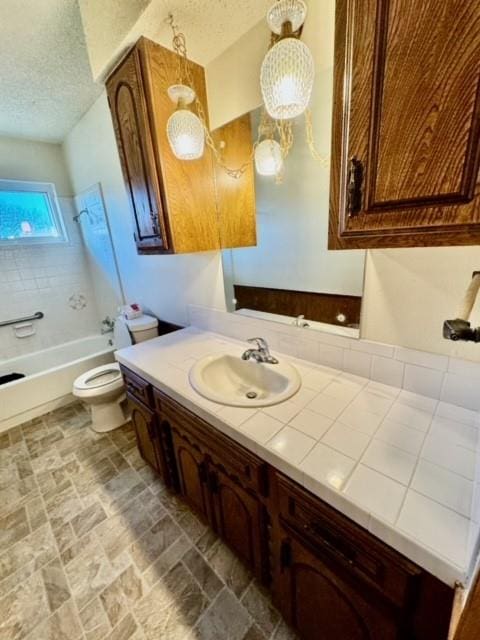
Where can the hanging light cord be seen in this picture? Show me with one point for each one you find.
(184, 76)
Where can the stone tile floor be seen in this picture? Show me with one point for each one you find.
(92, 546)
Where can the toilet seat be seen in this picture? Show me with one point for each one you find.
(108, 375)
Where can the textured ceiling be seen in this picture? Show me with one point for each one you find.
(45, 79)
(210, 26)
(48, 55)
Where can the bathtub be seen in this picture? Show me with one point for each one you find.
(49, 377)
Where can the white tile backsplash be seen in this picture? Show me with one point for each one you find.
(427, 382)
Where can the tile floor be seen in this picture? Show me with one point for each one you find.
(92, 546)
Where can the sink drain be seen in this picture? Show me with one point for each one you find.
(251, 395)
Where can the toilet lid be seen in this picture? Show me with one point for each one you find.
(99, 377)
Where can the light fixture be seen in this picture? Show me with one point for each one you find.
(287, 72)
(185, 131)
(286, 81)
(268, 157)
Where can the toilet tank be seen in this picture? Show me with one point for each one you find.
(143, 328)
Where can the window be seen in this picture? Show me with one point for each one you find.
(29, 213)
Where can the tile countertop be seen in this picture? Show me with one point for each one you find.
(404, 466)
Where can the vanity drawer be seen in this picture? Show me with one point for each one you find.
(341, 542)
(136, 387)
(239, 463)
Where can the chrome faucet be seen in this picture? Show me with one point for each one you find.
(107, 325)
(300, 322)
(261, 353)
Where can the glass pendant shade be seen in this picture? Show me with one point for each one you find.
(185, 131)
(268, 158)
(186, 135)
(286, 78)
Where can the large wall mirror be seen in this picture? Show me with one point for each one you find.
(290, 276)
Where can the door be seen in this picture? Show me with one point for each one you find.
(144, 422)
(192, 473)
(142, 180)
(239, 520)
(406, 127)
(319, 604)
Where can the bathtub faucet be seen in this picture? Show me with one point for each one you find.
(107, 325)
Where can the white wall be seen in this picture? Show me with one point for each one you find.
(30, 160)
(163, 284)
(43, 277)
(292, 220)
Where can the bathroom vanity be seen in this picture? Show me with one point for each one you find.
(324, 569)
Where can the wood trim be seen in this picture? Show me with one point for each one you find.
(469, 626)
(321, 307)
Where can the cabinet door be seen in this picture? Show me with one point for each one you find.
(319, 604)
(237, 212)
(192, 474)
(406, 127)
(144, 422)
(143, 182)
(239, 520)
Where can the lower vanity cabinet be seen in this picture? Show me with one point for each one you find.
(224, 483)
(331, 574)
(330, 578)
(313, 596)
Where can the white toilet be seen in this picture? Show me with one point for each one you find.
(102, 388)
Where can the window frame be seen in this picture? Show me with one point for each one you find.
(47, 188)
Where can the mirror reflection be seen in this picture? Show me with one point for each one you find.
(290, 276)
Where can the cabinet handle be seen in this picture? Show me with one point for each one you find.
(154, 219)
(354, 187)
(285, 555)
(202, 472)
(335, 545)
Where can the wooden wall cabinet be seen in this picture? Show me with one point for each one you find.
(406, 124)
(329, 577)
(175, 204)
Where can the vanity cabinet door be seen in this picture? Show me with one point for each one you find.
(144, 422)
(240, 520)
(406, 124)
(192, 473)
(318, 603)
(144, 186)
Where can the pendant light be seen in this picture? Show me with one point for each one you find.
(185, 131)
(288, 70)
(268, 158)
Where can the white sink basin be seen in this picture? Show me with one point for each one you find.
(228, 379)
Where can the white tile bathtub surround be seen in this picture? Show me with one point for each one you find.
(42, 278)
(403, 466)
(452, 380)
